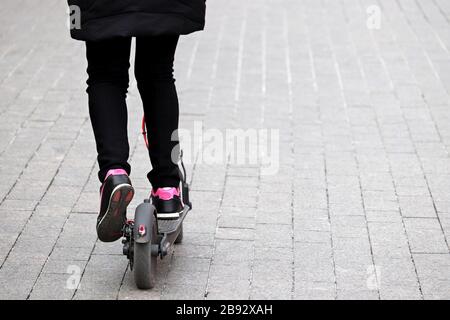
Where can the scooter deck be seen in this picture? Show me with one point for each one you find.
(170, 226)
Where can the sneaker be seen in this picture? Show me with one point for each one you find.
(116, 194)
(167, 202)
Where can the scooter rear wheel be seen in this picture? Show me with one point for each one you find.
(144, 261)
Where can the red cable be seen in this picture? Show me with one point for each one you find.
(144, 131)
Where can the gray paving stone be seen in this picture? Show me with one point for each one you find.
(194, 251)
(425, 236)
(88, 202)
(189, 264)
(62, 266)
(27, 205)
(179, 292)
(353, 209)
(303, 236)
(433, 271)
(108, 248)
(232, 220)
(314, 290)
(417, 206)
(314, 262)
(16, 289)
(102, 277)
(357, 295)
(233, 252)
(383, 216)
(272, 280)
(349, 226)
(235, 234)
(52, 287)
(187, 278)
(229, 290)
(273, 235)
(400, 293)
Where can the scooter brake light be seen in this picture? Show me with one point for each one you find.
(142, 230)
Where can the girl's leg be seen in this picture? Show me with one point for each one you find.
(154, 75)
(108, 64)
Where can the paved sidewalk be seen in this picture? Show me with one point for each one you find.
(360, 206)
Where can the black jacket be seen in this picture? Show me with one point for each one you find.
(103, 19)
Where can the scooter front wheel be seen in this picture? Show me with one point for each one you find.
(179, 238)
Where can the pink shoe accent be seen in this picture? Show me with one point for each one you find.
(112, 172)
(115, 172)
(166, 193)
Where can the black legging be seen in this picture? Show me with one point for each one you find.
(108, 64)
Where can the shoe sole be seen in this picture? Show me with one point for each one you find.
(169, 216)
(109, 228)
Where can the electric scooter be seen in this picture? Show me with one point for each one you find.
(145, 238)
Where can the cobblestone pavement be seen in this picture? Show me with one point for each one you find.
(360, 206)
